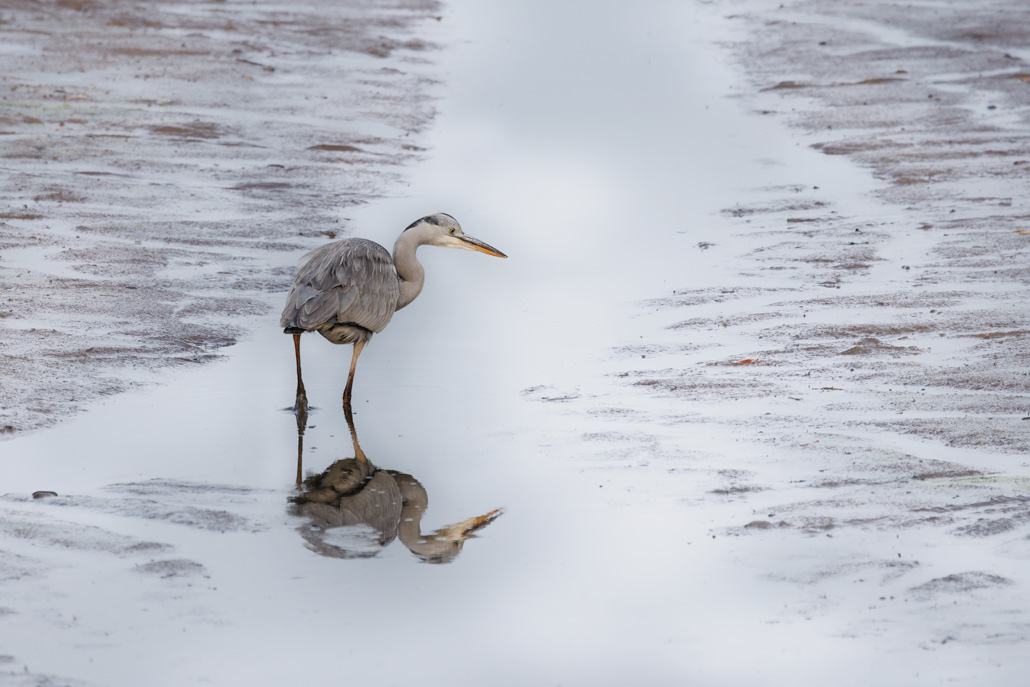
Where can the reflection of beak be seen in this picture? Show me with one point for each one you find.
(476, 244)
(460, 531)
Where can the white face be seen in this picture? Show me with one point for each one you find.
(452, 236)
(442, 227)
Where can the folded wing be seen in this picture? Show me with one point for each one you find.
(352, 281)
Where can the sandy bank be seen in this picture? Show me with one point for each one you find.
(163, 164)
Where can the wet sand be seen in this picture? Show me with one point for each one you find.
(878, 351)
(907, 319)
(164, 165)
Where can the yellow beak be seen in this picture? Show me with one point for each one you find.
(476, 244)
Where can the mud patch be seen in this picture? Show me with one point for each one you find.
(69, 535)
(175, 567)
(958, 583)
(211, 519)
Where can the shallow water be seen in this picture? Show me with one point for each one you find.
(596, 149)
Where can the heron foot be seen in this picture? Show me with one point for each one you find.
(301, 405)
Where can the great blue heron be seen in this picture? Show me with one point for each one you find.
(348, 290)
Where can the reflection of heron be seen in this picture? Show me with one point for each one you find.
(373, 507)
(348, 290)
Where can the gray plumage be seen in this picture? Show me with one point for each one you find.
(346, 291)
(349, 290)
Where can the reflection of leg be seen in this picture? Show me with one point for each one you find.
(350, 378)
(302, 422)
(301, 404)
(359, 455)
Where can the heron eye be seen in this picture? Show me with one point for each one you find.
(452, 232)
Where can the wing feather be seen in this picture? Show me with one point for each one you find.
(349, 281)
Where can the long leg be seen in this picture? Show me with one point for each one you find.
(301, 406)
(350, 378)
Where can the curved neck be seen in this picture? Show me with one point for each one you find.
(413, 507)
(409, 269)
(410, 529)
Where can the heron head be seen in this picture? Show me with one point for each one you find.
(444, 231)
